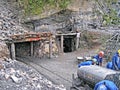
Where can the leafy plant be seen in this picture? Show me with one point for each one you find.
(64, 3)
(110, 16)
(32, 7)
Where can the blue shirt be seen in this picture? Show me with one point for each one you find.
(116, 62)
(109, 65)
(85, 63)
(108, 84)
(99, 59)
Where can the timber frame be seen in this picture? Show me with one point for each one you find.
(29, 37)
(34, 37)
(68, 34)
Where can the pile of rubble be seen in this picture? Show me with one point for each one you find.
(15, 75)
(9, 23)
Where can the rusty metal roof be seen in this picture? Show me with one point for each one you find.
(30, 37)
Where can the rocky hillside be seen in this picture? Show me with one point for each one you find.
(8, 26)
(15, 75)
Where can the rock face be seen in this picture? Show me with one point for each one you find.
(15, 75)
(4, 52)
(9, 25)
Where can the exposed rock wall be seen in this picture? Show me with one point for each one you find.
(9, 25)
(41, 49)
(92, 39)
(4, 52)
(15, 75)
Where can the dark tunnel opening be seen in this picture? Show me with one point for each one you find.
(22, 49)
(67, 45)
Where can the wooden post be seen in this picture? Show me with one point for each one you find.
(50, 47)
(77, 40)
(31, 51)
(13, 51)
(62, 43)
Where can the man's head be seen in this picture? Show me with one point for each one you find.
(101, 54)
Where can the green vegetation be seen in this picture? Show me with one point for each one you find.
(88, 38)
(111, 17)
(35, 7)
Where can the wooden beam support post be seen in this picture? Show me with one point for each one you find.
(77, 40)
(31, 51)
(62, 49)
(13, 51)
(50, 47)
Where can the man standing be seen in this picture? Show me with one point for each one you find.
(116, 60)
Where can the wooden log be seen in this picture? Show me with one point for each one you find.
(77, 40)
(31, 51)
(62, 49)
(50, 47)
(13, 51)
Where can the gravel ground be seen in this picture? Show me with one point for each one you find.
(60, 69)
(15, 75)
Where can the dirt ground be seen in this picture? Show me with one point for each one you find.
(59, 69)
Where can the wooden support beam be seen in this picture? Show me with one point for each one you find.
(77, 40)
(66, 34)
(31, 51)
(13, 51)
(50, 47)
(62, 49)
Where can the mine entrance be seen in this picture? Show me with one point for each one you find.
(67, 44)
(25, 44)
(22, 49)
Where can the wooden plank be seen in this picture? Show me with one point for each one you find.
(77, 40)
(13, 51)
(62, 49)
(66, 34)
(50, 48)
(30, 36)
(31, 51)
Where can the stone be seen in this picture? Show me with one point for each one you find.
(7, 76)
(1, 67)
(4, 52)
(15, 79)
